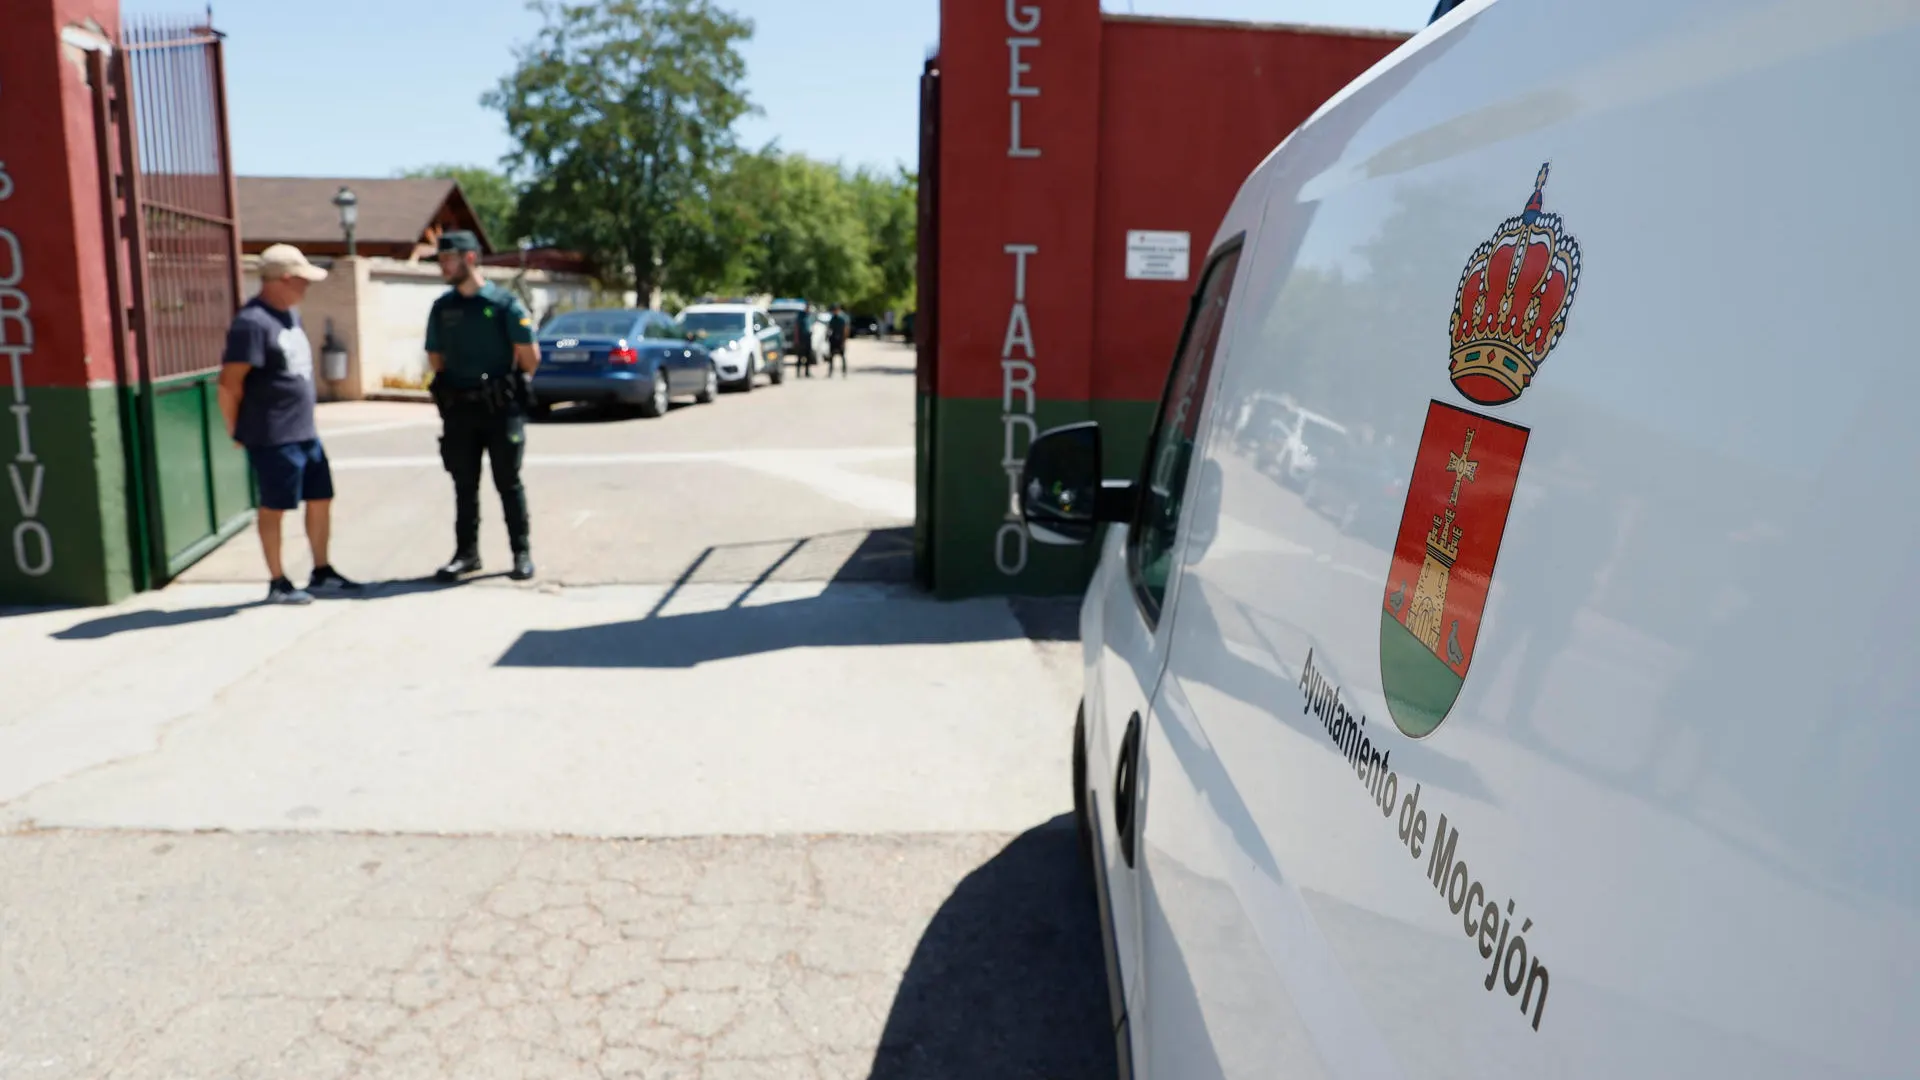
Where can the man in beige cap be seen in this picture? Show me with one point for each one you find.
(267, 396)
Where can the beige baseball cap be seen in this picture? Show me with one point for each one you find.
(285, 260)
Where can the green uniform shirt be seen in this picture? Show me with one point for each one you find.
(475, 335)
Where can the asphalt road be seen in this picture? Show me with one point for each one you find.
(719, 795)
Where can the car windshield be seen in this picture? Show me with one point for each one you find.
(664, 328)
(715, 323)
(590, 324)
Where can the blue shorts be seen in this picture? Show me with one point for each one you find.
(291, 473)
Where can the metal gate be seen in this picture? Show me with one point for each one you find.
(926, 323)
(173, 262)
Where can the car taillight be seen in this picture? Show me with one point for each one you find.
(623, 355)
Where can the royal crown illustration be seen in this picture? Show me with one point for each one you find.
(1512, 304)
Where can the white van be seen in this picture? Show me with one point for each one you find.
(1583, 753)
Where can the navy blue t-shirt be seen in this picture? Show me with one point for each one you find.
(276, 405)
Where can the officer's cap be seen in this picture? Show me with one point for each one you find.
(459, 240)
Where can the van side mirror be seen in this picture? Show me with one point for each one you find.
(1062, 496)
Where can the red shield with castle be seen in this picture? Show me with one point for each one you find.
(1509, 312)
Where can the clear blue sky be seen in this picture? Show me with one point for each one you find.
(367, 87)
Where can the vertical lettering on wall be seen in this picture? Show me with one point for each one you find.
(1017, 408)
(1018, 403)
(1023, 20)
(27, 475)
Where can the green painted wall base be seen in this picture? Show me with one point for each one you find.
(115, 492)
(76, 487)
(972, 550)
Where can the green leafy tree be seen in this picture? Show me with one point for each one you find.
(889, 208)
(488, 191)
(622, 115)
(804, 234)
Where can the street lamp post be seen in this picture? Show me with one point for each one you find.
(349, 205)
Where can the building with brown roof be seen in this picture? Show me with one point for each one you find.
(398, 218)
(375, 304)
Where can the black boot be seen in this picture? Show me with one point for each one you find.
(461, 565)
(522, 566)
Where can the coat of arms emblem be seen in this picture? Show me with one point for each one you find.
(1508, 313)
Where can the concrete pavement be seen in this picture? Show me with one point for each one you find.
(606, 711)
(168, 956)
(719, 795)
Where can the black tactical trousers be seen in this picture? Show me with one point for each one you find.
(468, 430)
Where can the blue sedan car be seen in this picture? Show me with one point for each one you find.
(628, 357)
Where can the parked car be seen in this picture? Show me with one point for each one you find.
(862, 324)
(744, 340)
(1584, 753)
(1286, 436)
(628, 357)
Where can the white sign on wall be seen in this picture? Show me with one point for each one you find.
(1157, 256)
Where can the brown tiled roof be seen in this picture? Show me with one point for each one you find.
(394, 214)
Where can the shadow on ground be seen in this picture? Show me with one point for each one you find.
(154, 619)
(590, 412)
(1009, 980)
(835, 618)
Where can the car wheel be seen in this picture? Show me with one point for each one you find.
(1080, 782)
(656, 402)
(778, 374)
(711, 388)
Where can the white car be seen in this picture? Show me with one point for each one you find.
(1585, 754)
(743, 340)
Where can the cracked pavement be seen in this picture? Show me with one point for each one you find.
(766, 814)
(329, 957)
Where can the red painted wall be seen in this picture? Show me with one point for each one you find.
(1187, 110)
(991, 197)
(50, 199)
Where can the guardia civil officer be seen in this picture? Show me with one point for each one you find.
(480, 345)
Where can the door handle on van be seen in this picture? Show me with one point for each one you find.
(1126, 786)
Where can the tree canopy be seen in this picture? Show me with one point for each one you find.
(623, 113)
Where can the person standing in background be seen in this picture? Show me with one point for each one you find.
(803, 340)
(267, 397)
(837, 340)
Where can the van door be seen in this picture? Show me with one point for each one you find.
(1135, 586)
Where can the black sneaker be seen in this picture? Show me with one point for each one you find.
(522, 566)
(282, 591)
(458, 567)
(327, 580)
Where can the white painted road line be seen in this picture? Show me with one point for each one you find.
(894, 498)
(368, 429)
(753, 459)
